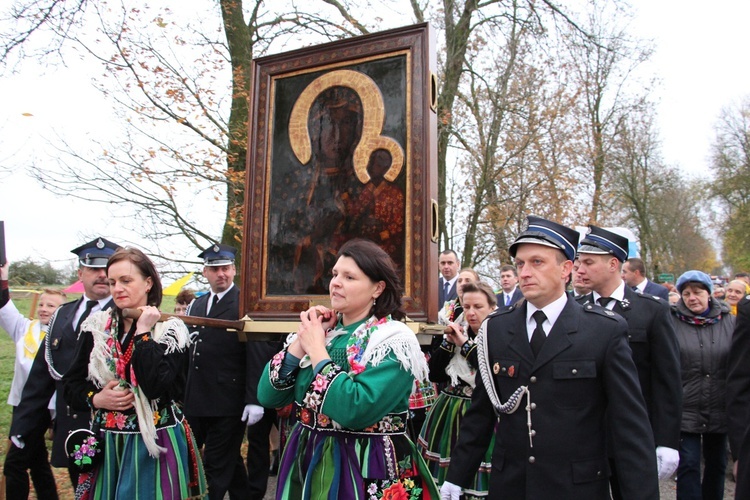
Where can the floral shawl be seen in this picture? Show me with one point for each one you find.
(103, 367)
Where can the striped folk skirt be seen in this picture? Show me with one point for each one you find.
(439, 437)
(128, 472)
(379, 462)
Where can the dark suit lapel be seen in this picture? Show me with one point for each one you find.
(226, 303)
(519, 338)
(586, 299)
(557, 340)
(623, 308)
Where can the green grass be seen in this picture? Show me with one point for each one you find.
(7, 360)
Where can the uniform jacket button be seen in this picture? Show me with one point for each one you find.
(533, 406)
(574, 371)
(532, 460)
(532, 380)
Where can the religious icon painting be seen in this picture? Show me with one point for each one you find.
(342, 145)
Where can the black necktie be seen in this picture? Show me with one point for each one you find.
(89, 306)
(604, 301)
(214, 301)
(446, 289)
(538, 336)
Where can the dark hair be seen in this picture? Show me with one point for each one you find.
(378, 266)
(508, 267)
(184, 297)
(636, 264)
(742, 275)
(145, 267)
(481, 287)
(449, 250)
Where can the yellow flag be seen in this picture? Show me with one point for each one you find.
(175, 287)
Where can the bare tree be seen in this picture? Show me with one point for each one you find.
(181, 91)
(662, 206)
(604, 59)
(730, 165)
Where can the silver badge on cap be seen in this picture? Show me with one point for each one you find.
(216, 248)
(99, 244)
(524, 225)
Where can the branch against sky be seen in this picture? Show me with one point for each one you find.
(179, 87)
(510, 142)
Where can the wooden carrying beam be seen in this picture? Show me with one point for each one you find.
(247, 329)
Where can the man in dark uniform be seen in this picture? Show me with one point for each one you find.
(220, 398)
(738, 400)
(573, 365)
(651, 336)
(56, 353)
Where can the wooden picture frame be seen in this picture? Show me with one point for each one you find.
(342, 144)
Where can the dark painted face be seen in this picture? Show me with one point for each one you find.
(335, 124)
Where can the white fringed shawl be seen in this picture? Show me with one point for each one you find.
(172, 333)
(391, 336)
(395, 337)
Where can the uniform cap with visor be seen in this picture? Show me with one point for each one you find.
(218, 254)
(602, 242)
(95, 253)
(539, 231)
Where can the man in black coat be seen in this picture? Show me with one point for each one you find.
(573, 366)
(220, 397)
(651, 336)
(56, 354)
(738, 400)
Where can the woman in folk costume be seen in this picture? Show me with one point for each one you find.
(452, 310)
(455, 362)
(424, 393)
(349, 370)
(131, 373)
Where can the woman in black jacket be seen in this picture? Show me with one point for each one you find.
(704, 330)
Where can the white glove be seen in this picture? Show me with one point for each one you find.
(450, 491)
(16, 440)
(252, 414)
(667, 460)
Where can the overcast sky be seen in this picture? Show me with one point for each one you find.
(700, 61)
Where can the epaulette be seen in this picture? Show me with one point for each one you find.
(505, 310)
(601, 311)
(649, 296)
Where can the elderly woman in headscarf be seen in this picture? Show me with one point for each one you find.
(704, 329)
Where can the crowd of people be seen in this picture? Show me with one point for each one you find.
(579, 378)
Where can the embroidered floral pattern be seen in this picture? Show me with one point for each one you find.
(405, 488)
(275, 368)
(316, 392)
(85, 452)
(355, 347)
(323, 420)
(468, 346)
